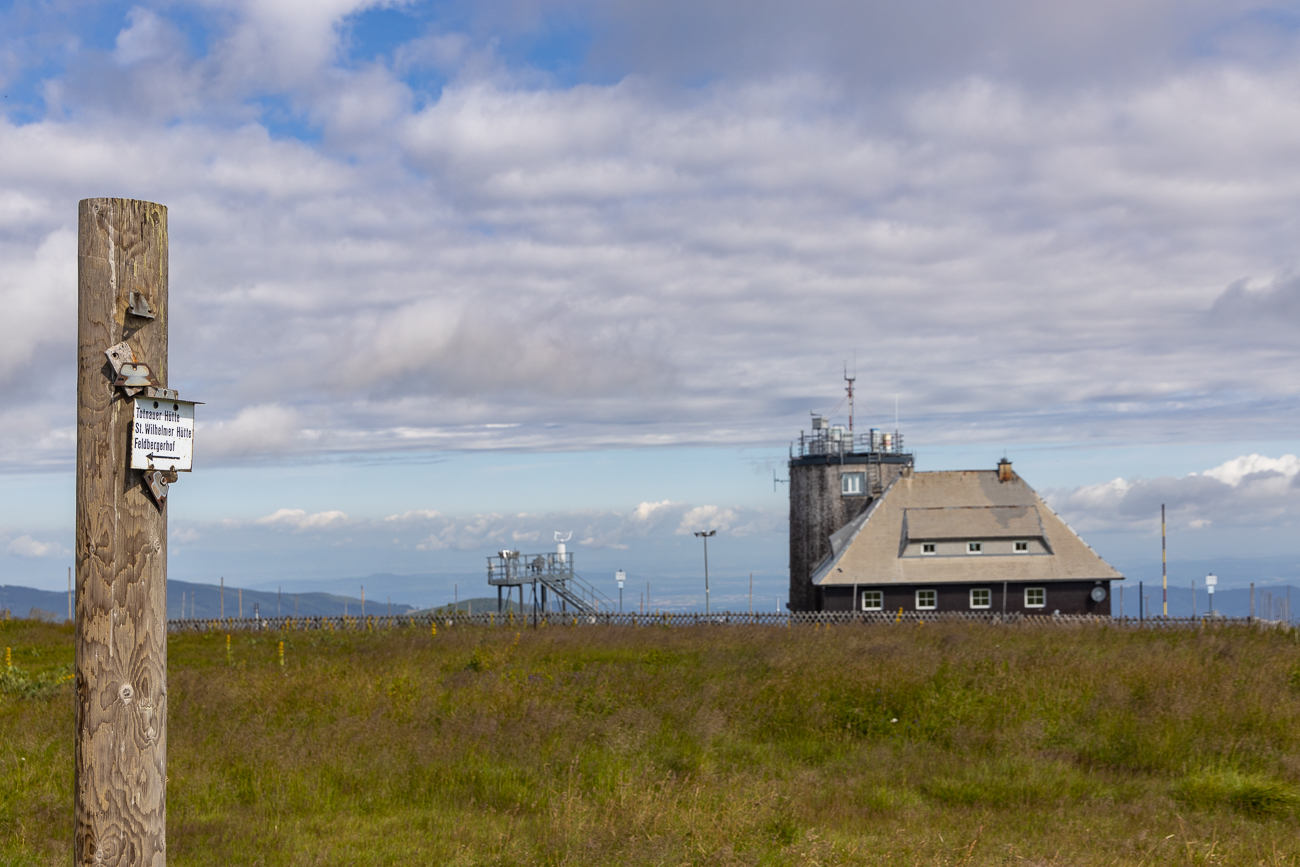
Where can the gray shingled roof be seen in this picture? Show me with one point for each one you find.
(971, 522)
(957, 505)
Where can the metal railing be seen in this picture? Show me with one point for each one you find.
(554, 571)
(783, 619)
(836, 443)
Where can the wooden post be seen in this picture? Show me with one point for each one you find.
(121, 556)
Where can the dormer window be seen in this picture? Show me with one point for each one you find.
(1022, 547)
(974, 547)
(928, 548)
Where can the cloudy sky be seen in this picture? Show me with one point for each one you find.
(495, 269)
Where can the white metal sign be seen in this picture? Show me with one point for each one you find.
(162, 435)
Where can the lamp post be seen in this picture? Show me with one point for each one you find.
(620, 576)
(705, 534)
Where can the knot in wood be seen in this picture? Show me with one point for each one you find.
(126, 692)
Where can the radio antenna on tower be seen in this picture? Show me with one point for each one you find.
(850, 380)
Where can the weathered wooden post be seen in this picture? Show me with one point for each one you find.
(121, 557)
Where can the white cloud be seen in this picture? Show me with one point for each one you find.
(649, 522)
(255, 432)
(653, 513)
(1251, 490)
(1233, 472)
(149, 36)
(299, 519)
(706, 518)
(26, 546)
(630, 263)
(414, 514)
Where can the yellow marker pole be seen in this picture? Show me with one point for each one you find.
(282, 654)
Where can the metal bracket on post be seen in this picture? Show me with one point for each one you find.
(156, 481)
(138, 305)
(131, 376)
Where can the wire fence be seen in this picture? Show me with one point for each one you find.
(686, 619)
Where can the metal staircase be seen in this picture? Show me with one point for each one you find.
(551, 571)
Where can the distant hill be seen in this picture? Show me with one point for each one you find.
(1269, 600)
(479, 605)
(205, 601)
(37, 604)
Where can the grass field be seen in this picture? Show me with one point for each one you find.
(951, 744)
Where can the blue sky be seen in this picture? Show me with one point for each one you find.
(498, 269)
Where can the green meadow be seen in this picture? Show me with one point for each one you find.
(956, 744)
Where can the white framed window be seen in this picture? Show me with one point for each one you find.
(928, 548)
(851, 484)
(1021, 547)
(873, 600)
(1035, 597)
(974, 547)
(927, 600)
(981, 597)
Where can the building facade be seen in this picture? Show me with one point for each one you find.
(834, 477)
(977, 540)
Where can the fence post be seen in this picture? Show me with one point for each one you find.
(120, 753)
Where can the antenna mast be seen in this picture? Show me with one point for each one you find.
(850, 380)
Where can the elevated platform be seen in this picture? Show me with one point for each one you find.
(550, 571)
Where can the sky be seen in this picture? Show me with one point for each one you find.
(450, 277)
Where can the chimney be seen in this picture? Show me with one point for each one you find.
(1004, 471)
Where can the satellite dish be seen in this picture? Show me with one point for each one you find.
(1098, 594)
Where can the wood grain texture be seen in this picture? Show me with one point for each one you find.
(121, 556)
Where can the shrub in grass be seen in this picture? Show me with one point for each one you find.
(43, 684)
(1252, 794)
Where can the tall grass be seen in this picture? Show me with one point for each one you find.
(949, 744)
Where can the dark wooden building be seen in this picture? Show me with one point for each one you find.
(975, 540)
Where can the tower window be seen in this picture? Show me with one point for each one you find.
(1022, 547)
(928, 548)
(927, 600)
(851, 484)
(974, 547)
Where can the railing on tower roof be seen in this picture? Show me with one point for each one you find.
(835, 440)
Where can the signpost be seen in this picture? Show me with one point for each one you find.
(163, 435)
(120, 753)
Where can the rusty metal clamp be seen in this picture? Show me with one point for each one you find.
(156, 481)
